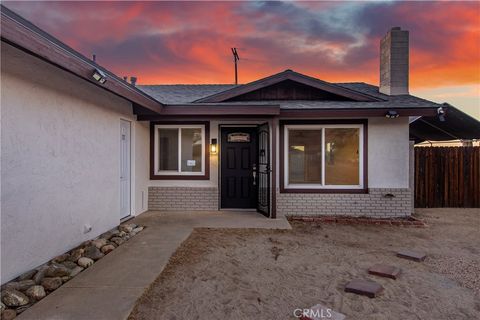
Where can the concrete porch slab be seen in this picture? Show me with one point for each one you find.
(109, 288)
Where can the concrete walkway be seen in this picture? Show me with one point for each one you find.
(108, 290)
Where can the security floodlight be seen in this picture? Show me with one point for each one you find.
(99, 76)
(441, 114)
(392, 114)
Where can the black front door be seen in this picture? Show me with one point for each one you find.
(238, 167)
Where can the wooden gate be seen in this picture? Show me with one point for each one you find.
(447, 177)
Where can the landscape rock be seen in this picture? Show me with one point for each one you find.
(51, 284)
(107, 249)
(100, 242)
(117, 240)
(137, 230)
(66, 279)
(86, 243)
(127, 227)
(38, 277)
(69, 264)
(25, 284)
(36, 292)
(2, 306)
(61, 258)
(9, 314)
(14, 285)
(121, 234)
(85, 262)
(93, 253)
(110, 234)
(14, 298)
(76, 254)
(23, 308)
(76, 271)
(27, 275)
(57, 270)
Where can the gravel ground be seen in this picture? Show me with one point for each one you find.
(266, 274)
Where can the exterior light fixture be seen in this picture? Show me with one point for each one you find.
(99, 76)
(441, 114)
(392, 114)
(213, 146)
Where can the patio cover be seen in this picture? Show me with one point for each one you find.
(457, 126)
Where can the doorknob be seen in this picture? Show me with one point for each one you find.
(254, 173)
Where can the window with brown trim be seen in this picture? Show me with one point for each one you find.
(323, 156)
(179, 150)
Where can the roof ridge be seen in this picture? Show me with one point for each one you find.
(189, 84)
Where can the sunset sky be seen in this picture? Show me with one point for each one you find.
(189, 42)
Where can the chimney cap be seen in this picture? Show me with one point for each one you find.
(396, 28)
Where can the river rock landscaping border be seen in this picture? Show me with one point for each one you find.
(34, 285)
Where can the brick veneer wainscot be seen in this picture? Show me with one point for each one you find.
(371, 204)
(182, 198)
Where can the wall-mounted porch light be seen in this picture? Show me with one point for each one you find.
(213, 146)
(99, 76)
(392, 114)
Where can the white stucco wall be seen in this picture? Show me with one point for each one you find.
(388, 153)
(141, 166)
(59, 161)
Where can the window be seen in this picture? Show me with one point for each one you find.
(179, 150)
(323, 156)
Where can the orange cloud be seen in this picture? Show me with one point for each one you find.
(189, 42)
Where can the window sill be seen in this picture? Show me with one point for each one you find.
(180, 177)
(346, 191)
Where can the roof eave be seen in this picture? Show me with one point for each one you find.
(20, 35)
(214, 110)
(356, 112)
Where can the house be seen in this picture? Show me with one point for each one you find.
(83, 149)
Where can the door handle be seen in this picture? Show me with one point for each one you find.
(254, 173)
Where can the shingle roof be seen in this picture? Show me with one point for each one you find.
(183, 93)
(186, 94)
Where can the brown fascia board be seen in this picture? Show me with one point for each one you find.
(289, 75)
(372, 112)
(218, 109)
(203, 112)
(25, 36)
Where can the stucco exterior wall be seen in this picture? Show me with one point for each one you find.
(388, 153)
(141, 165)
(59, 161)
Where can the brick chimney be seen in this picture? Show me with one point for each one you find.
(394, 62)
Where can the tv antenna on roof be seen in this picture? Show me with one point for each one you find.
(235, 59)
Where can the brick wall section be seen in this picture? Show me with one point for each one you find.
(372, 204)
(182, 198)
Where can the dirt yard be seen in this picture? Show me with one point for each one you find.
(262, 274)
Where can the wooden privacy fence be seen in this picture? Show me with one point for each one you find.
(447, 177)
